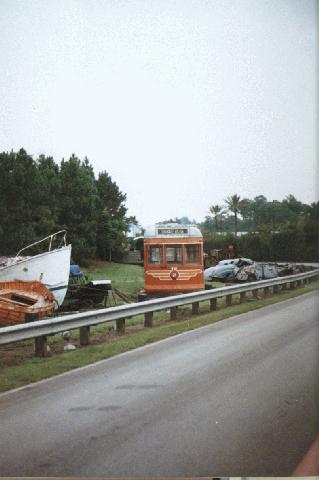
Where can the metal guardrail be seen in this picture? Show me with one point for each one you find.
(40, 329)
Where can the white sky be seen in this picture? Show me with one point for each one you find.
(182, 102)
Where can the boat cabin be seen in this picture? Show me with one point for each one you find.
(173, 259)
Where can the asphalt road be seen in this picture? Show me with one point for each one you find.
(238, 398)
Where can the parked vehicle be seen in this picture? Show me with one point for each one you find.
(256, 271)
(173, 260)
(246, 270)
(225, 269)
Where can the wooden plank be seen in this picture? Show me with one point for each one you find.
(148, 319)
(84, 336)
(41, 347)
(195, 308)
(120, 325)
(173, 313)
(213, 304)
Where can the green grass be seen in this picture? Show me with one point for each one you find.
(35, 369)
(127, 278)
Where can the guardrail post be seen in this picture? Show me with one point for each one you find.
(195, 308)
(299, 283)
(255, 294)
(173, 313)
(275, 289)
(41, 346)
(213, 304)
(266, 291)
(148, 319)
(120, 325)
(284, 286)
(242, 297)
(84, 336)
(229, 299)
(292, 285)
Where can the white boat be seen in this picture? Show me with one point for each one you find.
(52, 267)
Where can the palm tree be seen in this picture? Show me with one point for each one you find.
(233, 203)
(216, 210)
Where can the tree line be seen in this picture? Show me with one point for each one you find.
(39, 197)
(274, 230)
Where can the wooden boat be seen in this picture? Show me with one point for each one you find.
(21, 302)
(50, 268)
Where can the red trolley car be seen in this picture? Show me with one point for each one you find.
(173, 260)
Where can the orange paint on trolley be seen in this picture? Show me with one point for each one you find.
(173, 259)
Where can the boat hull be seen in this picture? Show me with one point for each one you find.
(24, 301)
(51, 268)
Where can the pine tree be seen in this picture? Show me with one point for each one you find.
(78, 204)
(112, 220)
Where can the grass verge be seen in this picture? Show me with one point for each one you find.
(35, 369)
(127, 278)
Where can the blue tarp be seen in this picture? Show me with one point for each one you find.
(75, 271)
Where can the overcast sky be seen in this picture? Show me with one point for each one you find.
(182, 102)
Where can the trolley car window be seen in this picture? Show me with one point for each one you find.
(193, 254)
(174, 254)
(155, 254)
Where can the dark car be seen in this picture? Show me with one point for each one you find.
(226, 269)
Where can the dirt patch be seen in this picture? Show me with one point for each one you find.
(18, 353)
(11, 355)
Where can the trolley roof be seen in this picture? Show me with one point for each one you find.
(169, 230)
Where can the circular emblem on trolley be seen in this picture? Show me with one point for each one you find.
(174, 274)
